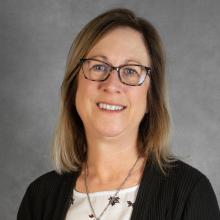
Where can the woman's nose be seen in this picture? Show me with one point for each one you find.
(112, 83)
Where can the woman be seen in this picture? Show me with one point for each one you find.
(111, 145)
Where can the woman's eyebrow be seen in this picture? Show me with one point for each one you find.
(100, 56)
(105, 58)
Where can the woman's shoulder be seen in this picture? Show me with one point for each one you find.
(46, 191)
(181, 168)
(194, 192)
(50, 181)
(183, 173)
(51, 176)
(187, 182)
(183, 190)
(179, 178)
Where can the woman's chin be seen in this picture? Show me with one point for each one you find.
(108, 132)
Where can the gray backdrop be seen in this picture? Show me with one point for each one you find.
(35, 38)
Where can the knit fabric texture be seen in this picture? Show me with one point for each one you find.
(184, 193)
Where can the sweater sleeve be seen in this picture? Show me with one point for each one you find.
(33, 204)
(202, 203)
(47, 197)
(24, 211)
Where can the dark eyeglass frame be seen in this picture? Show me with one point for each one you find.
(117, 68)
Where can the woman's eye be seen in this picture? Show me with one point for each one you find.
(99, 67)
(129, 71)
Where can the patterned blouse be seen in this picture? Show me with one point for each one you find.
(120, 208)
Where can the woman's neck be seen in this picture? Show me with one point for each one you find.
(108, 175)
(109, 155)
(109, 160)
(110, 166)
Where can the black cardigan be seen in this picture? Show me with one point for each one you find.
(183, 194)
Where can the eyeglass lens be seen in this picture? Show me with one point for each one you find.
(130, 74)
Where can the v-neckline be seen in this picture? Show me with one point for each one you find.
(148, 187)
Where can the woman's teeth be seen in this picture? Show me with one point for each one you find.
(110, 107)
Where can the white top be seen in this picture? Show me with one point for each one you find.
(121, 209)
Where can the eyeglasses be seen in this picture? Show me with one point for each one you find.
(129, 74)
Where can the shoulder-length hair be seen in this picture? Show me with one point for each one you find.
(69, 148)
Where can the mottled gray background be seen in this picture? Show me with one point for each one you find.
(35, 38)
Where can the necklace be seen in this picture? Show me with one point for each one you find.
(113, 199)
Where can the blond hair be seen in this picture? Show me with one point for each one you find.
(69, 149)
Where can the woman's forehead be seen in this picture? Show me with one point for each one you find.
(123, 43)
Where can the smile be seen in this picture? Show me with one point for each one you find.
(109, 107)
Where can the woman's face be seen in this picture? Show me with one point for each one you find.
(120, 46)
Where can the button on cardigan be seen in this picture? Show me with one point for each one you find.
(184, 193)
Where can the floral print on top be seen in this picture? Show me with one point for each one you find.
(120, 207)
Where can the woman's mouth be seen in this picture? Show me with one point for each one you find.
(110, 107)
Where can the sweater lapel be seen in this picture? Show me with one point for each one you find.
(147, 191)
(65, 196)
